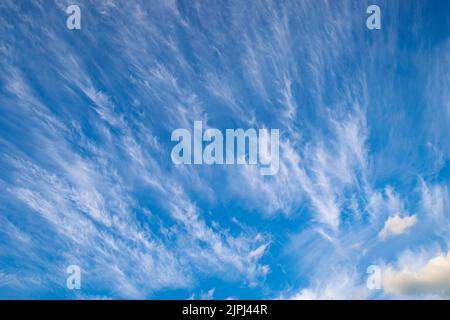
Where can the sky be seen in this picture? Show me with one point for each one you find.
(87, 179)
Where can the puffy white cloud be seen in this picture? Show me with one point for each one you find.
(432, 279)
(396, 225)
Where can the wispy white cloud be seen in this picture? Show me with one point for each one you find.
(209, 295)
(86, 198)
(435, 199)
(339, 284)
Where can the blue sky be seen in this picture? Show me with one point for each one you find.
(86, 176)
